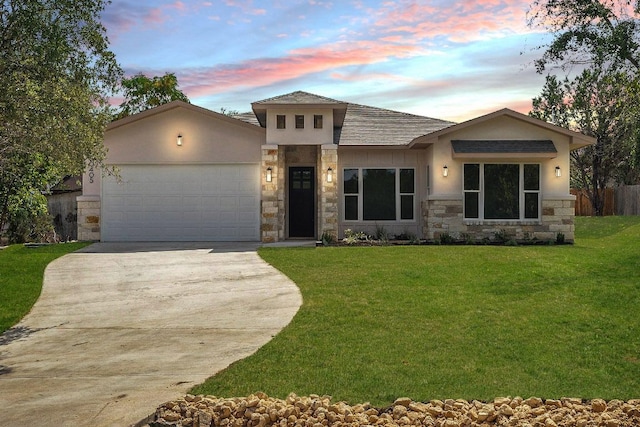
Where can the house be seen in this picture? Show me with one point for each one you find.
(301, 165)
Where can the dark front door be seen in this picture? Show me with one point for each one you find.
(302, 202)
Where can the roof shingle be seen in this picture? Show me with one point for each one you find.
(298, 97)
(364, 125)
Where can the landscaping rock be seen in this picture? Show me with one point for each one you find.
(598, 405)
(259, 410)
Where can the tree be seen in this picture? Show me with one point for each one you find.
(56, 73)
(603, 105)
(228, 112)
(599, 42)
(589, 33)
(142, 93)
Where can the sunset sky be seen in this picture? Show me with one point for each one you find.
(449, 59)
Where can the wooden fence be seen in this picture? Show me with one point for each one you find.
(628, 200)
(623, 200)
(63, 209)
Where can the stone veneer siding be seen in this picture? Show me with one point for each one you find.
(445, 216)
(88, 218)
(328, 191)
(272, 205)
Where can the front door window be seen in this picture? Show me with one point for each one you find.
(302, 202)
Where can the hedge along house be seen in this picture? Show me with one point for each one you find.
(301, 165)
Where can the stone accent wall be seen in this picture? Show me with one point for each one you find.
(558, 215)
(272, 206)
(88, 218)
(327, 191)
(442, 216)
(445, 216)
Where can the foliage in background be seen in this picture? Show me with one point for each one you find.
(56, 73)
(143, 93)
(589, 33)
(596, 43)
(228, 112)
(471, 322)
(21, 273)
(605, 106)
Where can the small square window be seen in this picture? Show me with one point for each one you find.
(281, 121)
(299, 121)
(317, 121)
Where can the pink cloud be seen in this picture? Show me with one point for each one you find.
(154, 17)
(178, 5)
(122, 17)
(298, 63)
(459, 21)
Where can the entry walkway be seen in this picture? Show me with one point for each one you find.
(122, 328)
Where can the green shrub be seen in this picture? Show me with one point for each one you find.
(446, 239)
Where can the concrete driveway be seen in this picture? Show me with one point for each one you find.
(122, 328)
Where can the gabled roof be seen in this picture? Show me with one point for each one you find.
(179, 104)
(577, 139)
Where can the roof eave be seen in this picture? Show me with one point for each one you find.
(578, 139)
(179, 104)
(542, 155)
(339, 110)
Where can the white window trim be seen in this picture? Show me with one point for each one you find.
(521, 197)
(360, 196)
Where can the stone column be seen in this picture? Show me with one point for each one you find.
(558, 214)
(328, 191)
(272, 200)
(88, 218)
(442, 215)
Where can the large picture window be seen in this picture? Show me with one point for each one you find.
(379, 194)
(501, 191)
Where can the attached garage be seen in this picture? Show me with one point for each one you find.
(182, 203)
(184, 174)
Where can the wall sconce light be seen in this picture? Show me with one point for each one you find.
(269, 174)
(330, 175)
(558, 172)
(445, 171)
(179, 140)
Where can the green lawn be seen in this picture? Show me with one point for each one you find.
(21, 272)
(472, 322)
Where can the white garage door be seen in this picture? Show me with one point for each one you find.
(182, 203)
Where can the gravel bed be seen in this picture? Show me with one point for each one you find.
(259, 410)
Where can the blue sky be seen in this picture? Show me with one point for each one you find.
(449, 59)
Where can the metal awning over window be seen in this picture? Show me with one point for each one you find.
(513, 148)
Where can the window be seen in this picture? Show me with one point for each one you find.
(351, 194)
(407, 191)
(317, 121)
(299, 121)
(501, 191)
(531, 191)
(384, 194)
(378, 194)
(281, 121)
